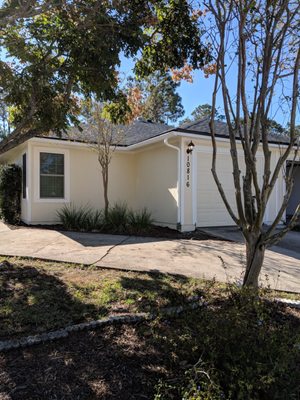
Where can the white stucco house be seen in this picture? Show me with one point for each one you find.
(151, 168)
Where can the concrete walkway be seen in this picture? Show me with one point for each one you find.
(204, 259)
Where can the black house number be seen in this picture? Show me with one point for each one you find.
(188, 171)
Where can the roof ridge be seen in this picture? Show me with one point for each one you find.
(192, 123)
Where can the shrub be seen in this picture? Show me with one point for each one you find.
(81, 218)
(10, 193)
(248, 350)
(139, 221)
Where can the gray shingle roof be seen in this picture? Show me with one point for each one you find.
(134, 133)
(202, 127)
(141, 130)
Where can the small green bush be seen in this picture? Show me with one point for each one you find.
(10, 193)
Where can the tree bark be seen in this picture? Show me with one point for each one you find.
(105, 191)
(255, 253)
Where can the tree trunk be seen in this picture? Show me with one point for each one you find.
(105, 191)
(255, 252)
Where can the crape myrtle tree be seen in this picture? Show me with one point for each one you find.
(54, 53)
(103, 137)
(258, 41)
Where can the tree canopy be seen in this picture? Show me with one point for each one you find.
(154, 98)
(65, 49)
(4, 120)
(161, 102)
(202, 111)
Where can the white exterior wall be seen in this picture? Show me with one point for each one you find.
(145, 178)
(83, 180)
(157, 184)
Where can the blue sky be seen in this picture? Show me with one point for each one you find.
(200, 92)
(192, 94)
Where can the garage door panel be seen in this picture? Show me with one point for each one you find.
(211, 210)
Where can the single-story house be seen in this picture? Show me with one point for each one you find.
(151, 167)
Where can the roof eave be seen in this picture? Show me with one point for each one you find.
(135, 146)
(207, 136)
(160, 137)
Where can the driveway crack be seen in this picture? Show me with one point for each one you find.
(110, 250)
(45, 246)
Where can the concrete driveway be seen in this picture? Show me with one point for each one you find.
(289, 245)
(200, 259)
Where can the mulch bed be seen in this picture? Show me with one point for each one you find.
(164, 232)
(113, 363)
(155, 231)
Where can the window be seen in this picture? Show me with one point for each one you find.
(24, 172)
(52, 179)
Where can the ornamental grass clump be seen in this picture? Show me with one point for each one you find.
(81, 218)
(119, 219)
(139, 221)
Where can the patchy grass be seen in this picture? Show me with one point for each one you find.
(37, 296)
(284, 295)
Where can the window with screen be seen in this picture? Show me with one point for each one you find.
(24, 172)
(52, 179)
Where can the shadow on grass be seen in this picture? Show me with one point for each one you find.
(33, 301)
(158, 290)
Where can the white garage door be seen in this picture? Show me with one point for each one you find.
(211, 210)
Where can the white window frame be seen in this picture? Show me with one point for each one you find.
(51, 150)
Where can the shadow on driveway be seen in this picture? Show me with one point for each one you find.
(288, 246)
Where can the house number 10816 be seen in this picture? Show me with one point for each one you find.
(188, 171)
